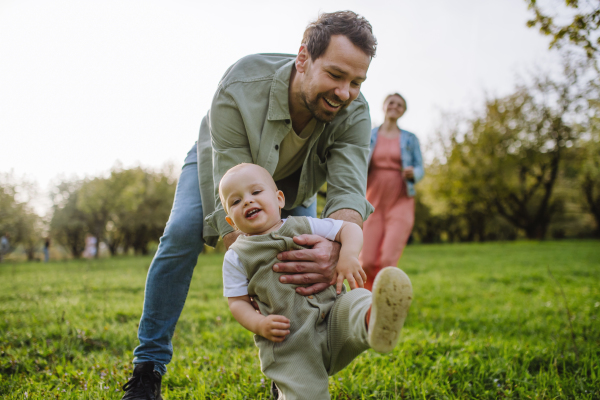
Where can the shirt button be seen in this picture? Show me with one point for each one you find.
(323, 315)
(310, 297)
(276, 147)
(287, 121)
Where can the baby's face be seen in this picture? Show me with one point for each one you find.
(251, 200)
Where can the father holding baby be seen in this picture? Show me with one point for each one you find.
(304, 120)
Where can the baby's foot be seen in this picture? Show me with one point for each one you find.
(392, 294)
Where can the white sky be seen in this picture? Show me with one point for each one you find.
(86, 83)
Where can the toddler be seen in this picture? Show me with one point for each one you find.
(302, 339)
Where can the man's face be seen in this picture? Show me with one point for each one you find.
(251, 200)
(333, 81)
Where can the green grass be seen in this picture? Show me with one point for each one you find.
(487, 322)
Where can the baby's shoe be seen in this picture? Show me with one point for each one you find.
(392, 294)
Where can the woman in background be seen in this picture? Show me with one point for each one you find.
(395, 165)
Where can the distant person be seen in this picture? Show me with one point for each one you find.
(4, 245)
(302, 340)
(301, 117)
(46, 249)
(90, 246)
(395, 166)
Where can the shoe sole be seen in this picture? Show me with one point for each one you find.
(392, 295)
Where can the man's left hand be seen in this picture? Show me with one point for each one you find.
(315, 265)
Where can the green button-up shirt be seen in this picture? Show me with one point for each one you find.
(249, 118)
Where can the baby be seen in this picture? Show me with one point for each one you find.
(302, 339)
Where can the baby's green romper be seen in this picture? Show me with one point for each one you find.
(327, 331)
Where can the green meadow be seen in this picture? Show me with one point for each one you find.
(494, 320)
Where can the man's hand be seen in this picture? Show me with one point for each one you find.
(314, 266)
(230, 238)
(274, 327)
(409, 173)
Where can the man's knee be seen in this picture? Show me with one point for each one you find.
(183, 231)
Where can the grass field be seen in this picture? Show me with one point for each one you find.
(488, 321)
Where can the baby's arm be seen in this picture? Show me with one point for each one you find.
(272, 327)
(351, 237)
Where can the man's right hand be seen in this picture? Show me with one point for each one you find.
(314, 266)
(230, 238)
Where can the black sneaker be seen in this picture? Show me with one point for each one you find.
(144, 384)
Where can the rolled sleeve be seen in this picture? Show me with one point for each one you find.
(347, 169)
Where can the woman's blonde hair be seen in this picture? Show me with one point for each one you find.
(399, 95)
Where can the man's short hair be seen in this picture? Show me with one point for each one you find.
(348, 23)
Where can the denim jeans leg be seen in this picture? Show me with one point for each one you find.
(170, 272)
(301, 211)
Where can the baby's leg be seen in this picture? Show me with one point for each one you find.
(299, 378)
(387, 308)
(347, 330)
(392, 295)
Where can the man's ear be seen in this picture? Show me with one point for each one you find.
(230, 222)
(280, 199)
(302, 58)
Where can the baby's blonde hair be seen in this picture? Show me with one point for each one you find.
(236, 168)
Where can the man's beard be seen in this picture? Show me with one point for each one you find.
(318, 112)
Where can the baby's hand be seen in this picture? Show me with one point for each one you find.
(274, 327)
(349, 268)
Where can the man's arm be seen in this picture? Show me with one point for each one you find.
(348, 216)
(347, 170)
(230, 147)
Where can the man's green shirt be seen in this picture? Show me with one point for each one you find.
(249, 118)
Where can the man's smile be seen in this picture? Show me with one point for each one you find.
(331, 103)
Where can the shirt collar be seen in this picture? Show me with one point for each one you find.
(279, 107)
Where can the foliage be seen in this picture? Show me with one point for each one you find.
(145, 207)
(519, 159)
(589, 176)
(126, 210)
(68, 225)
(17, 218)
(578, 24)
(487, 322)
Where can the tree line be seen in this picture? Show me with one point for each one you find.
(524, 165)
(126, 211)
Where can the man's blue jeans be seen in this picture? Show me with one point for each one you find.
(171, 269)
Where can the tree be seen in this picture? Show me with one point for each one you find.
(590, 172)
(507, 159)
(130, 208)
(69, 224)
(17, 217)
(148, 201)
(579, 24)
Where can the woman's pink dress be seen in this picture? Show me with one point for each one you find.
(386, 231)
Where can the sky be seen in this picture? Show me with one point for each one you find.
(86, 84)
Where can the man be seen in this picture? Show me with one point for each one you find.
(300, 117)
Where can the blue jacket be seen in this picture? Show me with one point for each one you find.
(410, 150)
